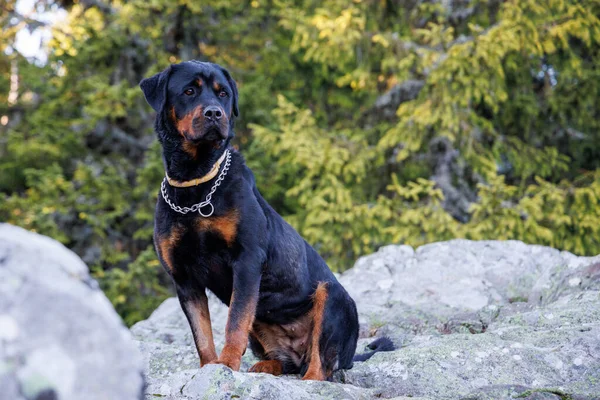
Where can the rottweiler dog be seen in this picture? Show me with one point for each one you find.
(213, 230)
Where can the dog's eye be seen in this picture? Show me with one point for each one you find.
(188, 92)
(222, 93)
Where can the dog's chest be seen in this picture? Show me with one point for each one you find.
(224, 227)
(200, 251)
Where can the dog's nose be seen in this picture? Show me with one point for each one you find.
(213, 113)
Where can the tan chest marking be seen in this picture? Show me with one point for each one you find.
(226, 225)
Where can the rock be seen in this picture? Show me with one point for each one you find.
(227, 384)
(60, 338)
(472, 320)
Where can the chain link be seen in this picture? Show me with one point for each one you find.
(207, 202)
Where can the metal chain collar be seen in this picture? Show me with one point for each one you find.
(207, 202)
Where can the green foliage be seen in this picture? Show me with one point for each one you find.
(501, 141)
(135, 292)
(558, 215)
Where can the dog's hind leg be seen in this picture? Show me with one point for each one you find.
(315, 369)
(335, 332)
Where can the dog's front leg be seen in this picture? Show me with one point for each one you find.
(242, 308)
(195, 307)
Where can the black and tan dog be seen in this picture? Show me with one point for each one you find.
(283, 299)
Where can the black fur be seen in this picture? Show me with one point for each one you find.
(266, 266)
(380, 344)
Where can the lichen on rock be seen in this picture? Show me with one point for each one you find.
(472, 320)
(60, 337)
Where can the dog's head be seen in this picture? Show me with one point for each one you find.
(198, 99)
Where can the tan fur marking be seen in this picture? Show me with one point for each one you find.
(166, 245)
(315, 367)
(185, 124)
(272, 367)
(190, 148)
(175, 120)
(225, 225)
(199, 82)
(216, 86)
(236, 340)
(202, 329)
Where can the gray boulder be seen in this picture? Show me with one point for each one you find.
(60, 338)
(472, 320)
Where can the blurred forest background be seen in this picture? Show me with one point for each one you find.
(366, 122)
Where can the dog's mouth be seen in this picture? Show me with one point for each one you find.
(197, 129)
(214, 133)
(207, 133)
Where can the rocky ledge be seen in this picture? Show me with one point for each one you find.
(471, 320)
(60, 338)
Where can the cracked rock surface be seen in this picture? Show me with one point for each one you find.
(472, 320)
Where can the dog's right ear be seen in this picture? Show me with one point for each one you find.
(155, 89)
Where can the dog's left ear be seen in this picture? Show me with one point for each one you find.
(232, 84)
(155, 89)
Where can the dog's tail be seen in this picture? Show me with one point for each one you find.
(383, 343)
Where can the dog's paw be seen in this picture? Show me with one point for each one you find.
(233, 364)
(272, 367)
(207, 360)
